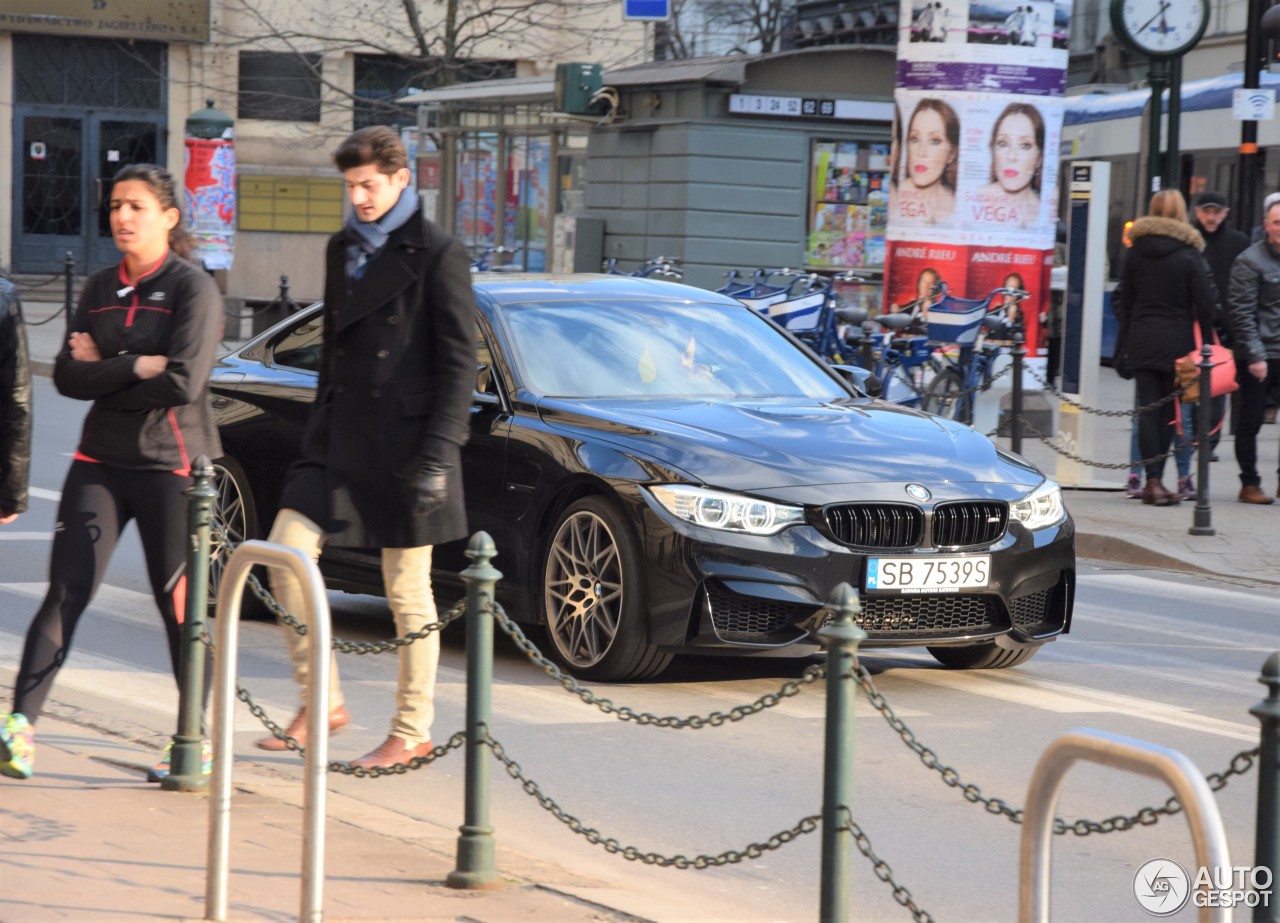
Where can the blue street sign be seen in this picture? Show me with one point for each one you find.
(646, 9)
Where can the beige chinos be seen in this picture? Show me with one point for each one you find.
(407, 575)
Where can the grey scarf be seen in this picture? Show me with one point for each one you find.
(368, 237)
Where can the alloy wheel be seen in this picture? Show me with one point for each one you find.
(583, 589)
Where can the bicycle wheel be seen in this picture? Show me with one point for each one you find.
(944, 396)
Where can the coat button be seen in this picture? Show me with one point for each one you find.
(376, 392)
(340, 351)
(383, 353)
(393, 319)
(339, 389)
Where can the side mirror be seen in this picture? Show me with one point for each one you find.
(862, 380)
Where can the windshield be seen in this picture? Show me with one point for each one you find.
(604, 349)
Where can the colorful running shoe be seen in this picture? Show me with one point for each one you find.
(17, 747)
(160, 770)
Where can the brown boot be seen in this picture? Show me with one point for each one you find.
(297, 729)
(1252, 493)
(392, 752)
(1154, 494)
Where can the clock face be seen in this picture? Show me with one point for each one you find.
(1160, 28)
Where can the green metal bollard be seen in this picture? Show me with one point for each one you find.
(476, 868)
(1267, 843)
(841, 638)
(1202, 518)
(186, 761)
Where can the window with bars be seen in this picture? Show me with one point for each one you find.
(97, 73)
(279, 86)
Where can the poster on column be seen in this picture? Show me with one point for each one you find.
(992, 268)
(978, 120)
(999, 46)
(210, 193)
(978, 168)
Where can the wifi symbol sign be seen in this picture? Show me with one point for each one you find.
(1251, 105)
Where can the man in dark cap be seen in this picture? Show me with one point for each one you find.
(1222, 244)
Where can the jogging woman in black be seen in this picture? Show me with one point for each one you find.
(141, 348)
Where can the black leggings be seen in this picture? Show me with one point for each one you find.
(97, 503)
(1156, 426)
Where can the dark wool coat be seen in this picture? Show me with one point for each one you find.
(1165, 288)
(15, 403)
(397, 370)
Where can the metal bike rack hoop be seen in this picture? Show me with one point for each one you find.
(230, 590)
(1129, 755)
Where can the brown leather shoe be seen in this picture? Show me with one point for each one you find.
(297, 729)
(391, 752)
(1252, 493)
(1155, 494)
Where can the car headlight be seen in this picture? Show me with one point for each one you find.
(716, 509)
(1040, 508)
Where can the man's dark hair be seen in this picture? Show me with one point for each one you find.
(377, 145)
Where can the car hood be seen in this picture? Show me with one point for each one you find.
(776, 444)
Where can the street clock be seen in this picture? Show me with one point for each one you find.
(1160, 28)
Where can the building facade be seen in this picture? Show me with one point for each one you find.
(88, 86)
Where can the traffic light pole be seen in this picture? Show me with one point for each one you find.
(1249, 173)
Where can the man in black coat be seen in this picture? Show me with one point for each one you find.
(1222, 244)
(15, 406)
(380, 458)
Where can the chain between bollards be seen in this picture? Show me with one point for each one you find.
(186, 766)
(841, 637)
(476, 868)
(1267, 830)
(1202, 519)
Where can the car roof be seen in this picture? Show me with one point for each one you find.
(521, 288)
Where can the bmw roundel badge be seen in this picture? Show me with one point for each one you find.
(918, 492)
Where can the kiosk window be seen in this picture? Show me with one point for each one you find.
(848, 205)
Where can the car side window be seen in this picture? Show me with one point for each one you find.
(300, 347)
(485, 380)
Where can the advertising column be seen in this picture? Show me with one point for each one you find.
(209, 180)
(978, 115)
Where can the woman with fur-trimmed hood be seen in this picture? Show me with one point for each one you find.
(1165, 289)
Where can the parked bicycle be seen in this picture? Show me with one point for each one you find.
(805, 304)
(495, 259)
(894, 348)
(968, 359)
(666, 267)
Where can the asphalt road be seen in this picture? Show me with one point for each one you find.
(1152, 655)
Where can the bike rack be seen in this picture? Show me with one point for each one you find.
(1128, 755)
(244, 558)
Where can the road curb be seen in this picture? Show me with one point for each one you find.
(1115, 550)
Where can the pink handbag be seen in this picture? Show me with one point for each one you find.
(1222, 377)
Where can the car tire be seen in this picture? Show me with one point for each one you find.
(985, 656)
(236, 514)
(593, 596)
(942, 396)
